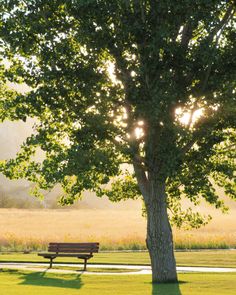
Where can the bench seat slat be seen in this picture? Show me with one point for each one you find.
(65, 255)
(72, 250)
(74, 244)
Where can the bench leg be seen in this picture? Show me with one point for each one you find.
(51, 259)
(85, 264)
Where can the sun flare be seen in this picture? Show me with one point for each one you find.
(187, 117)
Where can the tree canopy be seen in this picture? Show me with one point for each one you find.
(145, 82)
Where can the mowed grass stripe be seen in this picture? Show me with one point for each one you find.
(224, 258)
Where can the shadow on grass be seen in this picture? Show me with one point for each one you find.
(166, 289)
(41, 279)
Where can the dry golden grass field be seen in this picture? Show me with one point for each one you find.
(114, 229)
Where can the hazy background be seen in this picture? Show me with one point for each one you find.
(15, 193)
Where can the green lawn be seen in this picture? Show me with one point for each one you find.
(13, 282)
(225, 258)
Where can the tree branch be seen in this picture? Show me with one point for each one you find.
(188, 146)
(206, 125)
(186, 35)
(141, 177)
(227, 16)
(228, 148)
(219, 28)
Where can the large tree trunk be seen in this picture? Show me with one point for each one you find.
(159, 235)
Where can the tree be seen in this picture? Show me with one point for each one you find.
(170, 59)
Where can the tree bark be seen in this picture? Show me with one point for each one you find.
(159, 236)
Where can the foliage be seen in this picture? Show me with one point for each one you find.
(170, 58)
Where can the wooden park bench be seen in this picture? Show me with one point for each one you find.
(80, 250)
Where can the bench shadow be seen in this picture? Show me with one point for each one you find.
(164, 289)
(40, 279)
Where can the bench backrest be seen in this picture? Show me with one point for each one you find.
(73, 247)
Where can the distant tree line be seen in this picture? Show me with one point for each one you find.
(11, 201)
